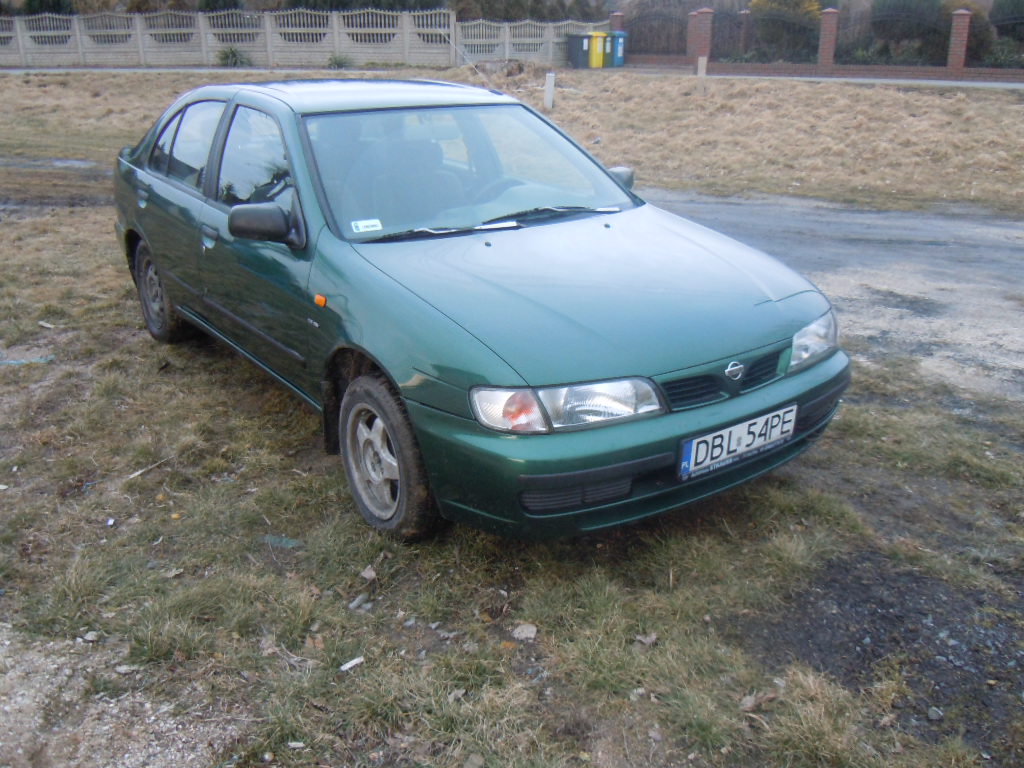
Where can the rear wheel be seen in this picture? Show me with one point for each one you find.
(385, 471)
(162, 322)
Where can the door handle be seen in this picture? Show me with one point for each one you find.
(209, 235)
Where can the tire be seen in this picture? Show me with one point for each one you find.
(162, 321)
(385, 471)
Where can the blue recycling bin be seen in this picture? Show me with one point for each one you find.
(618, 50)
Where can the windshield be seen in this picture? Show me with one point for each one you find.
(452, 168)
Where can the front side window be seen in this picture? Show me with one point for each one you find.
(254, 168)
(192, 140)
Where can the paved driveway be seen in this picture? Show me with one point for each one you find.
(946, 288)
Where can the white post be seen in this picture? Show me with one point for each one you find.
(549, 91)
(702, 74)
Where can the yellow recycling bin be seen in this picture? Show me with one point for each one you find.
(597, 49)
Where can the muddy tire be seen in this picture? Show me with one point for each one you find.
(386, 476)
(161, 320)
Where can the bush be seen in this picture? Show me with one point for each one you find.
(1008, 17)
(928, 23)
(32, 7)
(339, 61)
(1004, 54)
(232, 57)
(787, 29)
(899, 20)
(211, 6)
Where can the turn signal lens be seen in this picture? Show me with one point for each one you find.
(510, 410)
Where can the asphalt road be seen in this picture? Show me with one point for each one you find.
(945, 288)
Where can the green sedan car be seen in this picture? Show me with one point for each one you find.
(494, 327)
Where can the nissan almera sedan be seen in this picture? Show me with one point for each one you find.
(494, 327)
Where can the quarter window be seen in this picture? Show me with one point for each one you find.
(191, 143)
(161, 153)
(254, 168)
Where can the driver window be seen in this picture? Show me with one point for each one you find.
(254, 168)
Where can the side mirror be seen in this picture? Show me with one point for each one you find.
(625, 176)
(260, 221)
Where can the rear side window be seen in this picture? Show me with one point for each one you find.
(183, 147)
(254, 168)
(161, 153)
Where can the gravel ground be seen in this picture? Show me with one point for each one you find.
(77, 703)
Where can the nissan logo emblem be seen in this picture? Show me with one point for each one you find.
(735, 370)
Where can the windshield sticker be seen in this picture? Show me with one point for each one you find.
(366, 225)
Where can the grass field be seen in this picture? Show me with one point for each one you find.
(176, 503)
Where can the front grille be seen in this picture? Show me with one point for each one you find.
(761, 371)
(696, 390)
(579, 496)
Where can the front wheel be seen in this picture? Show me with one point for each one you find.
(385, 471)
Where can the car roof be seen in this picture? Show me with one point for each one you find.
(314, 96)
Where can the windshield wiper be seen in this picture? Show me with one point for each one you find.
(551, 211)
(424, 232)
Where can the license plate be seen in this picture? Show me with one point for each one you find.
(720, 449)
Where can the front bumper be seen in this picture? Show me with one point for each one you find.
(538, 486)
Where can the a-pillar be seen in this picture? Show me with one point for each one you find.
(958, 41)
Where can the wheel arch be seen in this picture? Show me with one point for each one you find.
(345, 365)
(131, 242)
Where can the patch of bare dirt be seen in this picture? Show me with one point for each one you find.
(70, 704)
(958, 653)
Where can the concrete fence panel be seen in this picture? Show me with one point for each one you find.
(295, 38)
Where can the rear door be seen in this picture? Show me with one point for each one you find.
(255, 291)
(169, 196)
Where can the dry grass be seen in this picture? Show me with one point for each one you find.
(177, 562)
(881, 145)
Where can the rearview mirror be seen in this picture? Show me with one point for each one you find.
(625, 176)
(260, 221)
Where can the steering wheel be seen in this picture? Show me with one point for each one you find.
(492, 189)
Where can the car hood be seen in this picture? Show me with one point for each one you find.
(641, 292)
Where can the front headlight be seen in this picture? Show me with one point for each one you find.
(576, 405)
(813, 342)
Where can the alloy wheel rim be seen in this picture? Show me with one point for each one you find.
(153, 292)
(373, 462)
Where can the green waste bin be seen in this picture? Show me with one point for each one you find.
(578, 48)
(618, 50)
(597, 43)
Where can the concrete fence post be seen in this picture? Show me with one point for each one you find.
(268, 36)
(406, 28)
(698, 34)
(745, 24)
(76, 32)
(20, 37)
(958, 41)
(140, 37)
(204, 43)
(827, 38)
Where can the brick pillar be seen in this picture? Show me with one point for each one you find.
(958, 41)
(698, 34)
(617, 21)
(744, 31)
(827, 38)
